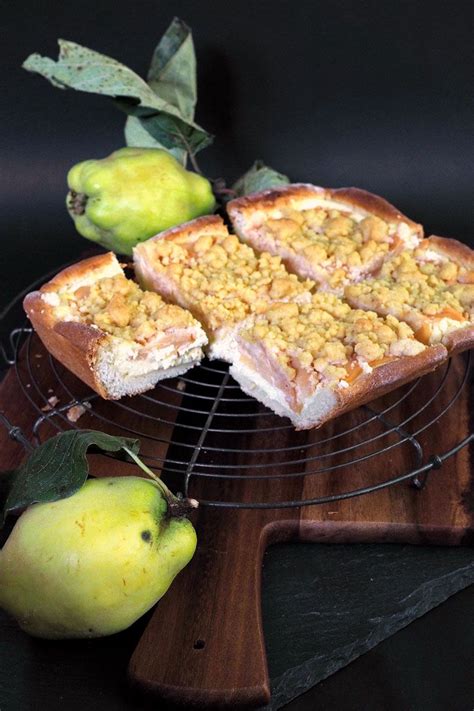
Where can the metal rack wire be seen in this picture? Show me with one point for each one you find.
(202, 427)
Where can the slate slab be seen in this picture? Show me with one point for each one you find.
(324, 606)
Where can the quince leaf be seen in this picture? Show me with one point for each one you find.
(258, 177)
(172, 73)
(56, 469)
(85, 70)
(137, 136)
(171, 131)
(172, 76)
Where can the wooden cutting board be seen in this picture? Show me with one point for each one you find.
(204, 645)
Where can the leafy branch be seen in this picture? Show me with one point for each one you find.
(160, 112)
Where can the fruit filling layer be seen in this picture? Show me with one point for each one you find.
(221, 280)
(120, 308)
(299, 346)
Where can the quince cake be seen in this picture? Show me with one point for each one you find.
(335, 237)
(202, 267)
(118, 339)
(431, 288)
(304, 352)
(312, 362)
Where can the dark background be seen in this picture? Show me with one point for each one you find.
(373, 94)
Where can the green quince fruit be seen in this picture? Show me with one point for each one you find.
(91, 564)
(132, 195)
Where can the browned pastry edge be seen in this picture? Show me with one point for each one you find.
(460, 340)
(211, 224)
(384, 379)
(73, 344)
(451, 248)
(78, 270)
(355, 197)
(389, 376)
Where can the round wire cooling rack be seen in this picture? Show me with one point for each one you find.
(204, 432)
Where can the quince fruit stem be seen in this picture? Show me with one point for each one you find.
(177, 505)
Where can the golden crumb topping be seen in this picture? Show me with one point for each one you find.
(329, 339)
(405, 283)
(335, 243)
(417, 265)
(119, 307)
(222, 280)
(434, 263)
(464, 294)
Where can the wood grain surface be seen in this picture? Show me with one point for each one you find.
(204, 645)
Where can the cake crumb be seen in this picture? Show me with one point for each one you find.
(52, 402)
(76, 411)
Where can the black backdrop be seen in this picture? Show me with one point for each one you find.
(373, 94)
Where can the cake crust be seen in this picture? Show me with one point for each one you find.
(81, 346)
(75, 345)
(295, 194)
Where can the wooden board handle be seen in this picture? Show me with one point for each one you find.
(204, 645)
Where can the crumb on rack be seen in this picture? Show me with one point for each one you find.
(52, 402)
(76, 411)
